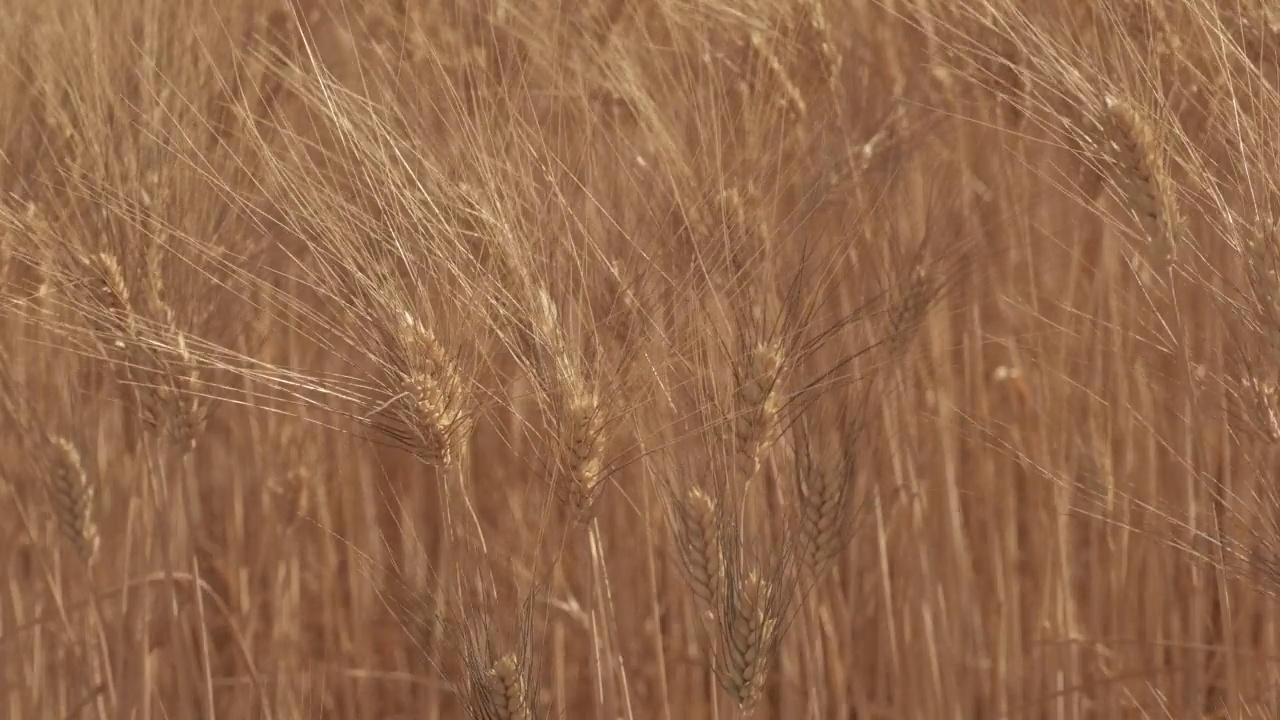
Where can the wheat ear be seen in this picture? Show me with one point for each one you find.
(108, 287)
(791, 99)
(830, 59)
(584, 449)
(175, 402)
(73, 498)
(824, 496)
(579, 406)
(749, 630)
(758, 404)
(503, 692)
(433, 403)
(501, 689)
(1143, 180)
(168, 389)
(698, 538)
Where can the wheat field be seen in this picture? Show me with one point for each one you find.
(639, 359)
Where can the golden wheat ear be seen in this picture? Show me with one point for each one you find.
(500, 664)
(698, 541)
(500, 691)
(753, 617)
(583, 448)
(1142, 178)
(435, 404)
(758, 378)
(73, 497)
(825, 522)
(744, 602)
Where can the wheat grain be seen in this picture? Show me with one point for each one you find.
(572, 396)
(187, 401)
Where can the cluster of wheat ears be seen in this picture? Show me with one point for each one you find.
(622, 359)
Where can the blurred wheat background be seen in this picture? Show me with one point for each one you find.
(639, 359)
